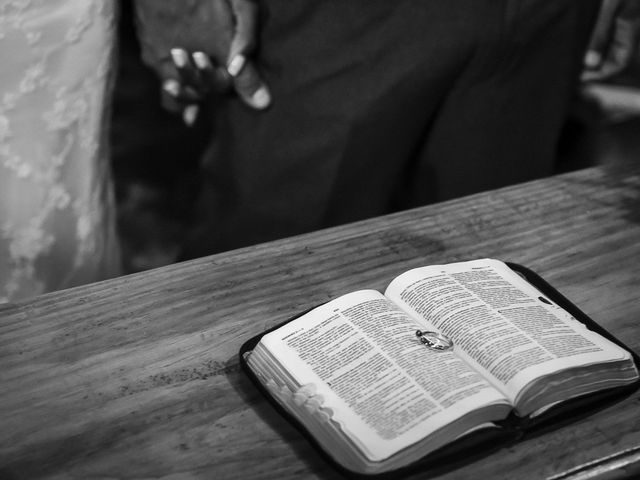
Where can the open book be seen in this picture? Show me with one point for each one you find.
(380, 381)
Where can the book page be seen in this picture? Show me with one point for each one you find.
(499, 322)
(383, 386)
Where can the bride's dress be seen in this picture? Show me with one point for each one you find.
(56, 205)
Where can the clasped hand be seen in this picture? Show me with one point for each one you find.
(222, 63)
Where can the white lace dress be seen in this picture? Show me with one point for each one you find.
(56, 205)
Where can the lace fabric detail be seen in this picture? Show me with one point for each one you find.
(56, 205)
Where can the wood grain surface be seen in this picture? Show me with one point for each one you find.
(138, 377)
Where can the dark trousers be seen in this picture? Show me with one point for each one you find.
(383, 105)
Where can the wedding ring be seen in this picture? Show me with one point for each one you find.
(435, 341)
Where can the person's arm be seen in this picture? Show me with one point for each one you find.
(196, 45)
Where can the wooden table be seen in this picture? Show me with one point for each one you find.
(138, 377)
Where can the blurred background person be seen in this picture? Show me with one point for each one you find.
(57, 222)
(605, 123)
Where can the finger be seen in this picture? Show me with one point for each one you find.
(174, 103)
(251, 89)
(246, 80)
(188, 74)
(190, 114)
(236, 64)
(244, 37)
(179, 93)
(602, 34)
(619, 52)
(170, 96)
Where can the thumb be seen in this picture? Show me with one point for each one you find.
(250, 87)
(246, 80)
(245, 14)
